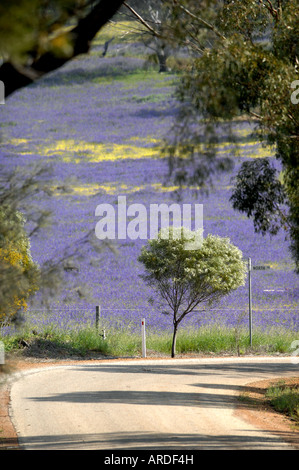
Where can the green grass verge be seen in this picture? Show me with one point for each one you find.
(285, 399)
(122, 342)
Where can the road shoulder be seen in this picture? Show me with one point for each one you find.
(253, 407)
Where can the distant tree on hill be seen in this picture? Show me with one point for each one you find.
(154, 16)
(183, 279)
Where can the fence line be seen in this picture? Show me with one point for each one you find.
(111, 309)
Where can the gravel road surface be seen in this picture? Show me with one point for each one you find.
(175, 404)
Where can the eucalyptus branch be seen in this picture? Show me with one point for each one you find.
(273, 11)
(142, 21)
(257, 116)
(292, 117)
(199, 19)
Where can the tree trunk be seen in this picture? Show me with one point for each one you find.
(162, 62)
(175, 329)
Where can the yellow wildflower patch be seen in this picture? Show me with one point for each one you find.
(12, 256)
(111, 188)
(70, 150)
(74, 151)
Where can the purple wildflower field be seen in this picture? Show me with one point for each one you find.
(101, 121)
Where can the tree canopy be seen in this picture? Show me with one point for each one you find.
(183, 279)
(244, 65)
(38, 37)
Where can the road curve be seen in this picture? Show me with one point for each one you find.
(174, 404)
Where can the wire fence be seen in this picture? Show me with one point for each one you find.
(75, 316)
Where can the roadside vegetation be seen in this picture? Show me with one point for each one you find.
(52, 342)
(285, 399)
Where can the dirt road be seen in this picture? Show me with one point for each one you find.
(143, 404)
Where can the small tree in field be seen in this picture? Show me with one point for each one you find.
(184, 278)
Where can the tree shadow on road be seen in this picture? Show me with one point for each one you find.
(150, 441)
(256, 369)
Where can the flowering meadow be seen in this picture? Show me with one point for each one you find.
(99, 123)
